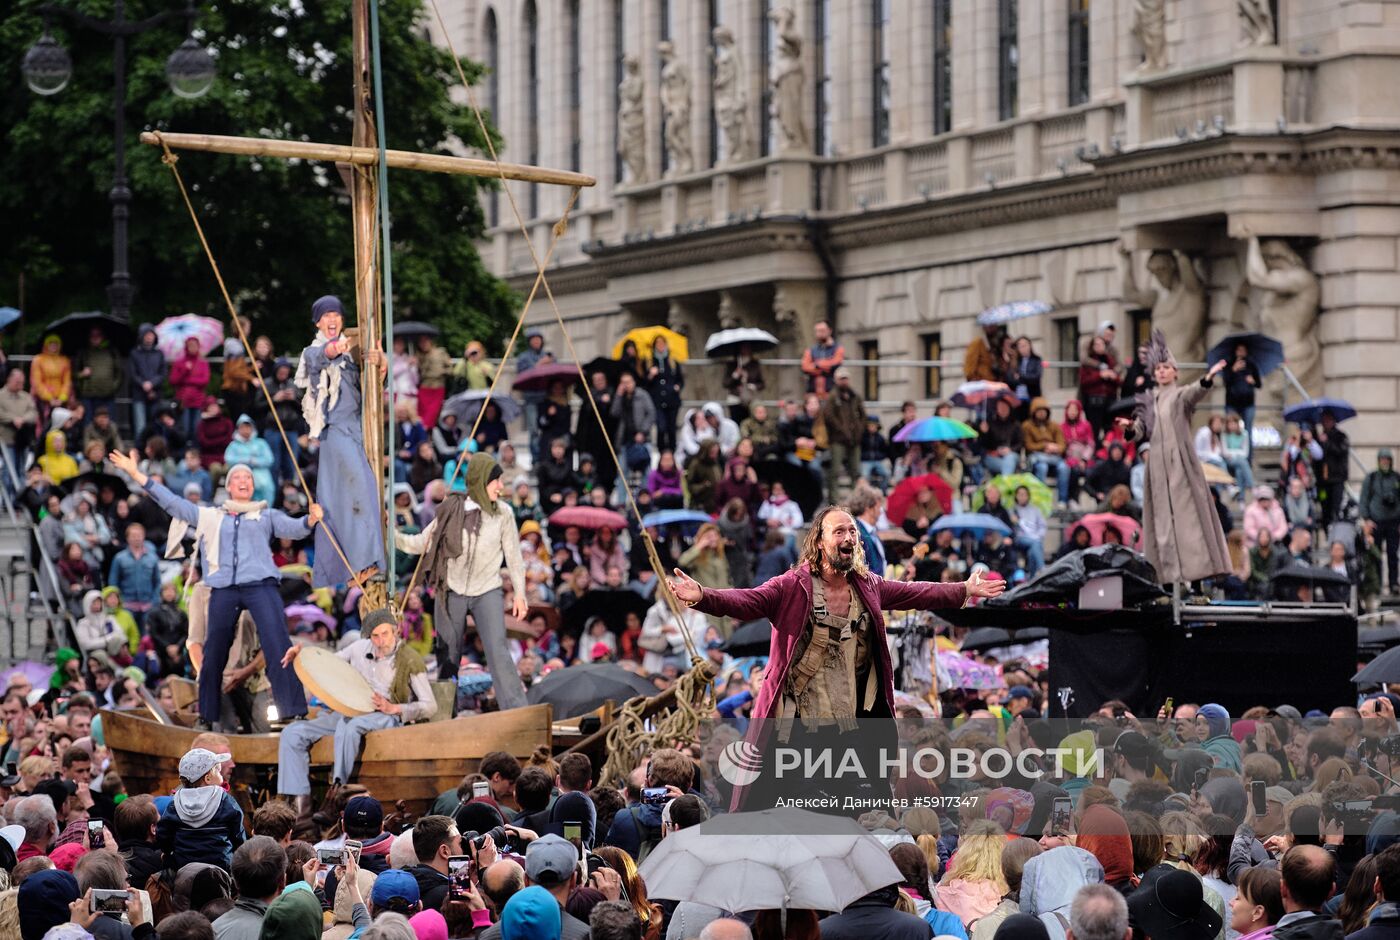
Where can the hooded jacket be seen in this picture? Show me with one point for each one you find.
(1050, 881)
(1380, 493)
(59, 466)
(201, 824)
(105, 379)
(146, 364)
(1037, 433)
(844, 413)
(98, 631)
(870, 917)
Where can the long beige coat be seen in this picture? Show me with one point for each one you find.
(1181, 532)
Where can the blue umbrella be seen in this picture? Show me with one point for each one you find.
(934, 429)
(1264, 352)
(1015, 310)
(687, 517)
(975, 522)
(1310, 411)
(8, 315)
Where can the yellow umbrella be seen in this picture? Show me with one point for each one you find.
(1216, 474)
(643, 336)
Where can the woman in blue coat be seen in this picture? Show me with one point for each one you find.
(345, 484)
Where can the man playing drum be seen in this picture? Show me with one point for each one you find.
(401, 694)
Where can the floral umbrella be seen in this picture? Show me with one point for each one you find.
(172, 333)
(966, 673)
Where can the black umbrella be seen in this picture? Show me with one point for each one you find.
(1296, 571)
(99, 480)
(984, 638)
(750, 639)
(74, 329)
(1125, 407)
(1265, 351)
(609, 367)
(1382, 670)
(801, 483)
(612, 605)
(580, 689)
(411, 329)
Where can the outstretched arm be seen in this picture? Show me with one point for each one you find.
(1131, 293)
(739, 603)
(1186, 270)
(178, 507)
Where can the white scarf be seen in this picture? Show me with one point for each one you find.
(206, 531)
(326, 392)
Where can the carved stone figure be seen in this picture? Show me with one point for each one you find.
(1256, 22)
(1289, 309)
(787, 108)
(675, 104)
(1150, 29)
(632, 121)
(731, 103)
(1179, 308)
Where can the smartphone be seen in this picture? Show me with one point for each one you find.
(96, 840)
(1060, 815)
(459, 871)
(108, 901)
(458, 863)
(481, 789)
(1259, 797)
(1167, 707)
(654, 795)
(353, 846)
(573, 832)
(329, 857)
(1202, 775)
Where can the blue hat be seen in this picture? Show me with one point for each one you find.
(394, 883)
(43, 902)
(364, 812)
(1217, 719)
(324, 305)
(528, 915)
(1020, 691)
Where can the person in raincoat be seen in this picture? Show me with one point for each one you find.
(250, 449)
(1181, 534)
(145, 372)
(345, 485)
(57, 464)
(51, 376)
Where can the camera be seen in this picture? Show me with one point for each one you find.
(656, 796)
(109, 900)
(498, 835)
(1389, 746)
(1354, 815)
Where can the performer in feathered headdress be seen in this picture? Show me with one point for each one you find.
(1181, 532)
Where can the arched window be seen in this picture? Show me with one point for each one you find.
(493, 98)
(532, 98)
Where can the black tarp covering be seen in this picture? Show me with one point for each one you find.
(1060, 581)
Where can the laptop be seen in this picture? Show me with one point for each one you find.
(1102, 593)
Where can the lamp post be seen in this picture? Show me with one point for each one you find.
(47, 70)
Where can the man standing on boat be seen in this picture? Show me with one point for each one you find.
(829, 684)
(464, 545)
(402, 694)
(236, 559)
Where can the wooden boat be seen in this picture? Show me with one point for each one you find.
(413, 763)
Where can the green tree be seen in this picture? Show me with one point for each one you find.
(280, 230)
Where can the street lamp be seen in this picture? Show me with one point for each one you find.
(47, 69)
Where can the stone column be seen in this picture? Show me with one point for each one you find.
(797, 306)
(850, 94)
(1107, 37)
(910, 49)
(645, 26)
(968, 104)
(1039, 66)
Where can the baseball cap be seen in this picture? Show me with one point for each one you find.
(13, 835)
(1274, 794)
(364, 812)
(550, 860)
(842, 373)
(391, 884)
(1291, 713)
(198, 762)
(1133, 745)
(1020, 691)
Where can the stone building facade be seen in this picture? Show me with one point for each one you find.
(958, 154)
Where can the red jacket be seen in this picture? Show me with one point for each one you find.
(787, 603)
(189, 377)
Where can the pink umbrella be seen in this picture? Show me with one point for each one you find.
(587, 517)
(967, 673)
(1128, 530)
(311, 614)
(172, 332)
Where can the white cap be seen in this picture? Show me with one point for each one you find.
(13, 835)
(198, 762)
(1107, 325)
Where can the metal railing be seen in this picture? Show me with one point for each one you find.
(43, 576)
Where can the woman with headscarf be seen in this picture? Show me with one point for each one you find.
(345, 485)
(1219, 743)
(1181, 532)
(1104, 834)
(464, 546)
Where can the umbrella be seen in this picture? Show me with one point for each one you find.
(1096, 522)
(613, 605)
(974, 522)
(910, 700)
(1008, 483)
(800, 482)
(934, 429)
(1310, 411)
(643, 336)
(1382, 670)
(8, 315)
(774, 859)
(412, 329)
(171, 334)
(1299, 572)
(99, 480)
(973, 394)
(74, 328)
(540, 378)
(587, 517)
(966, 673)
(1015, 310)
(985, 638)
(1127, 407)
(37, 673)
(905, 495)
(310, 613)
(725, 344)
(690, 518)
(610, 368)
(750, 639)
(1264, 352)
(465, 406)
(1215, 474)
(582, 688)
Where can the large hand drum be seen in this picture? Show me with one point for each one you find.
(334, 681)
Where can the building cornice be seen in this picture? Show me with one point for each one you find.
(709, 244)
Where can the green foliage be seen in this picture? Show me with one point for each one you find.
(280, 230)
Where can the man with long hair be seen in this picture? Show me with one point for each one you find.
(829, 677)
